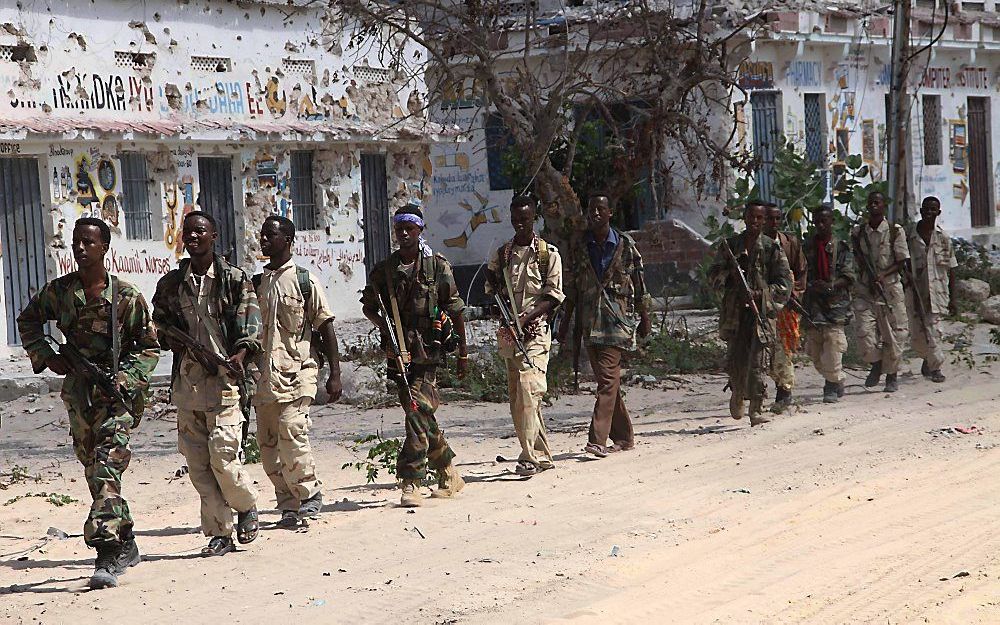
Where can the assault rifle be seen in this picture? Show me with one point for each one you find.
(98, 376)
(747, 291)
(869, 268)
(202, 354)
(397, 354)
(509, 320)
(799, 308)
(918, 302)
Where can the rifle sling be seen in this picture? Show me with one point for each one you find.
(390, 287)
(116, 341)
(513, 302)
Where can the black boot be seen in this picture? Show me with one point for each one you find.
(128, 556)
(105, 568)
(830, 393)
(874, 375)
(925, 370)
(782, 399)
(891, 385)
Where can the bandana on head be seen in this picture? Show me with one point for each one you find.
(425, 248)
(410, 217)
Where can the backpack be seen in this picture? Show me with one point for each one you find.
(317, 345)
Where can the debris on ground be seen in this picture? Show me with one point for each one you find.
(955, 430)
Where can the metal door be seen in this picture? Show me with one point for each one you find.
(375, 204)
(815, 128)
(215, 197)
(980, 173)
(23, 231)
(766, 136)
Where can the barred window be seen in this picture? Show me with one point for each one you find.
(303, 191)
(932, 129)
(135, 196)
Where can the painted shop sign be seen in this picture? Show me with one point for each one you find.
(964, 78)
(756, 75)
(10, 148)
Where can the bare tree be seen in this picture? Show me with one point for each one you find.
(659, 75)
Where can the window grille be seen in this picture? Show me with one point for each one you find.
(303, 191)
(373, 75)
(932, 129)
(133, 60)
(299, 67)
(214, 64)
(135, 196)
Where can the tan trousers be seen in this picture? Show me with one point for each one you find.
(882, 331)
(283, 435)
(610, 415)
(826, 346)
(926, 342)
(210, 441)
(782, 370)
(526, 386)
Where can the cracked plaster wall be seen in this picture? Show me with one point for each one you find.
(76, 76)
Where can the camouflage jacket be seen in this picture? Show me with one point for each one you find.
(833, 308)
(607, 310)
(767, 271)
(241, 320)
(88, 327)
(421, 298)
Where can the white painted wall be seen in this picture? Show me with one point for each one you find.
(285, 67)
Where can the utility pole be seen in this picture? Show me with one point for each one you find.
(898, 124)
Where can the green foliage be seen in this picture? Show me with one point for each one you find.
(485, 378)
(799, 186)
(251, 449)
(974, 262)
(672, 350)
(56, 499)
(17, 475)
(851, 191)
(718, 229)
(594, 162)
(382, 453)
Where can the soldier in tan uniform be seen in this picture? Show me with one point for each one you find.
(788, 335)
(214, 303)
(527, 274)
(293, 307)
(880, 253)
(933, 266)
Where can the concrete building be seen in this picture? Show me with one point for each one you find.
(818, 73)
(241, 109)
(822, 79)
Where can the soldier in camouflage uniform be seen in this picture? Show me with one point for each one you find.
(424, 288)
(214, 302)
(607, 291)
(80, 303)
(828, 301)
(749, 341)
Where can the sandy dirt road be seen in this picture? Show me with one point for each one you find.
(854, 513)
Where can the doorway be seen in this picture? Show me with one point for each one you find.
(980, 172)
(375, 207)
(766, 136)
(215, 197)
(23, 230)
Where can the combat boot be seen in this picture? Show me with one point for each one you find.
(756, 410)
(411, 494)
(874, 375)
(782, 399)
(128, 556)
(736, 407)
(891, 384)
(831, 393)
(105, 568)
(449, 483)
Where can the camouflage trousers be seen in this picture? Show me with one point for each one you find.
(100, 441)
(283, 435)
(925, 339)
(425, 443)
(747, 360)
(526, 386)
(782, 370)
(210, 442)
